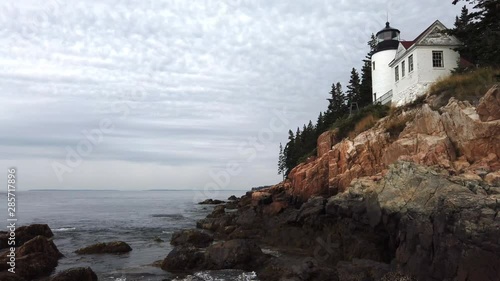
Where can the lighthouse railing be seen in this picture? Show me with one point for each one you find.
(385, 98)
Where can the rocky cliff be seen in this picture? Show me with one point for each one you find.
(459, 137)
(415, 197)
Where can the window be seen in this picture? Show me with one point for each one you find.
(373, 66)
(410, 63)
(403, 69)
(437, 59)
(396, 73)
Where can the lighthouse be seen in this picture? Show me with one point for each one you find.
(385, 52)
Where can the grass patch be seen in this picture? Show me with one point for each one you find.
(346, 124)
(396, 124)
(469, 86)
(305, 157)
(364, 124)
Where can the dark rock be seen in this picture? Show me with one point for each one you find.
(183, 258)
(247, 218)
(314, 207)
(232, 205)
(115, 247)
(218, 211)
(158, 239)
(39, 244)
(76, 274)
(193, 237)
(361, 270)
(211, 202)
(36, 258)
(8, 276)
(234, 254)
(232, 197)
(26, 233)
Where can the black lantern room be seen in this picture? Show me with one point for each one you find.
(387, 38)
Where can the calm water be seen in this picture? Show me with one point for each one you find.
(82, 218)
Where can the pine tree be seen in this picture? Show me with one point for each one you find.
(289, 153)
(281, 162)
(479, 32)
(320, 125)
(353, 89)
(365, 89)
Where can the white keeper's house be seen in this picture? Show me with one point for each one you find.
(403, 70)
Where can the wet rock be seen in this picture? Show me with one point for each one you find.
(261, 198)
(234, 254)
(34, 259)
(115, 247)
(361, 270)
(8, 276)
(232, 198)
(183, 258)
(218, 211)
(193, 237)
(76, 274)
(314, 207)
(26, 233)
(211, 202)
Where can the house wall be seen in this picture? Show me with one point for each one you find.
(417, 83)
(401, 87)
(428, 73)
(382, 76)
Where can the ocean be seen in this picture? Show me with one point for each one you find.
(140, 218)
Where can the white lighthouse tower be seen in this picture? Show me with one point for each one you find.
(385, 52)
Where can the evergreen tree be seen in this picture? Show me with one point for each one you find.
(479, 32)
(281, 162)
(353, 89)
(365, 89)
(321, 125)
(289, 153)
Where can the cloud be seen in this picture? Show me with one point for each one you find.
(189, 86)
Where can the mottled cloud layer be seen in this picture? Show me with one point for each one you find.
(192, 93)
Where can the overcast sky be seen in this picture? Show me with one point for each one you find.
(139, 94)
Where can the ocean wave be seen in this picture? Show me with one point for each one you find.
(64, 229)
(222, 275)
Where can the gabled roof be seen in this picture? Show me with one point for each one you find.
(407, 44)
(424, 38)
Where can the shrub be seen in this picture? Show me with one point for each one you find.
(397, 123)
(469, 86)
(347, 124)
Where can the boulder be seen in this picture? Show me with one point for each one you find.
(34, 259)
(76, 274)
(183, 258)
(232, 198)
(261, 198)
(489, 105)
(26, 233)
(8, 276)
(361, 270)
(234, 254)
(193, 237)
(314, 207)
(115, 247)
(218, 211)
(211, 202)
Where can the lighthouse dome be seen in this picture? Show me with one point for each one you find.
(387, 38)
